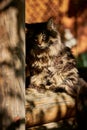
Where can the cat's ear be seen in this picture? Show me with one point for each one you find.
(27, 25)
(29, 28)
(50, 24)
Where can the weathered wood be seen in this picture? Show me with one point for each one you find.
(67, 124)
(47, 107)
(12, 110)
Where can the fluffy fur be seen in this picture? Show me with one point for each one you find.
(51, 64)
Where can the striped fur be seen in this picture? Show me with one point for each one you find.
(52, 67)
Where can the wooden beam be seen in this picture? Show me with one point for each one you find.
(47, 107)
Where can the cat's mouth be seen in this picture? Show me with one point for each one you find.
(41, 45)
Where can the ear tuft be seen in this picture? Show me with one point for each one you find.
(50, 24)
(27, 25)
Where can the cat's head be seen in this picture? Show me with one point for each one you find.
(41, 35)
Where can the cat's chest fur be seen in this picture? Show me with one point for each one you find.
(45, 59)
(47, 68)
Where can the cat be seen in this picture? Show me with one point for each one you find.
(51, 64)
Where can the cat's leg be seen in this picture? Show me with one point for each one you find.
(38, 82)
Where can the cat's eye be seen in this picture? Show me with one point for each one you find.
(35, 39)
(44, 37)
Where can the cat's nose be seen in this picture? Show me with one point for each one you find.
(40, 40)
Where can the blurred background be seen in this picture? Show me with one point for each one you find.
(71, 17)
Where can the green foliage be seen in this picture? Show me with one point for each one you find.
(82, 60)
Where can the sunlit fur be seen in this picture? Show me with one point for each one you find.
(51, 64)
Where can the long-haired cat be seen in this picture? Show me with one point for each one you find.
(51, 64)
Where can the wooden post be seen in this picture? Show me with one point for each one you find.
(12, 84)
